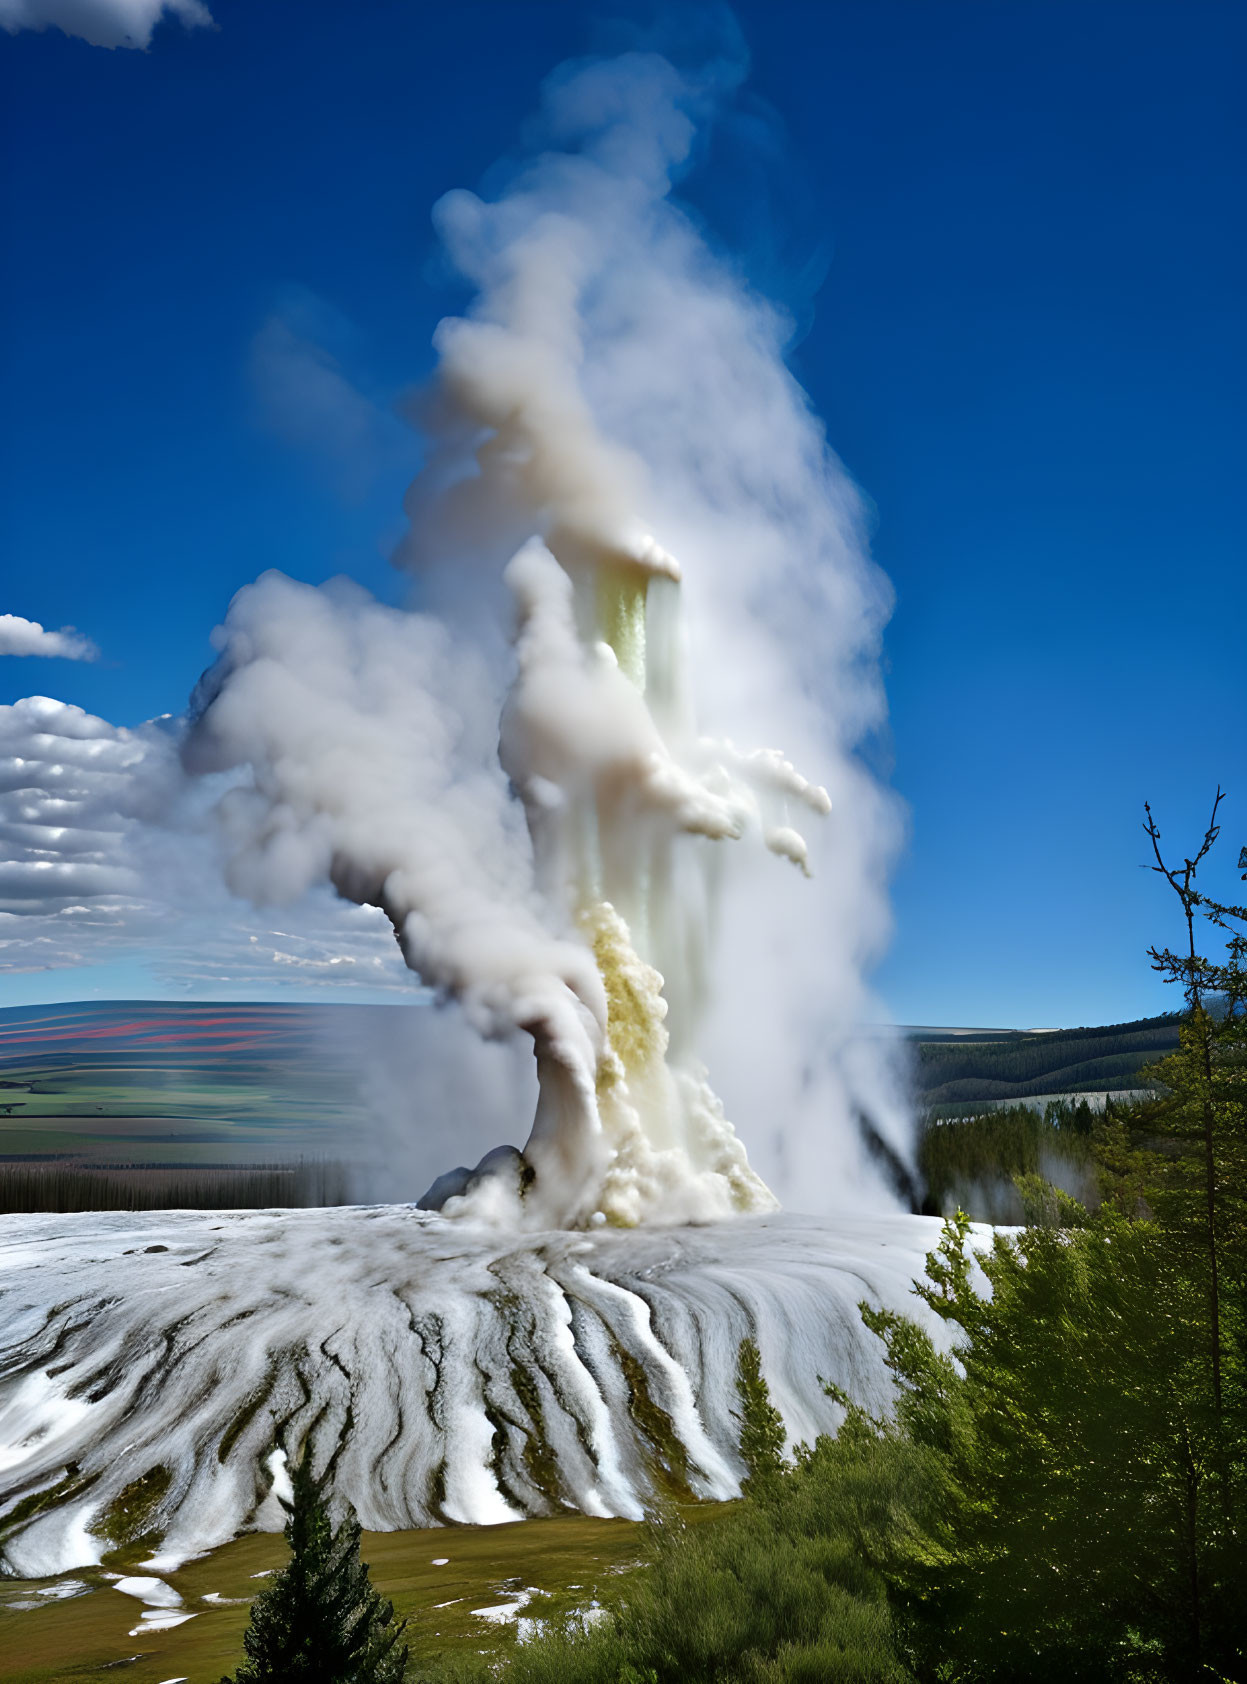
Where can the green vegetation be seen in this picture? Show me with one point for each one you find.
(126, 1521)
(572, 1559)
(975, 1163)
(762, 1434)
(1203, 1115)
(1094, 1496)
(1057, 1495)
(320, 1621)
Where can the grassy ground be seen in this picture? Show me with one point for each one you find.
(570, 1557)
(173, 1117)
(75, 1091)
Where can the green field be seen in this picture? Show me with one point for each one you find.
(176, 1084)
(573, 1560)
(95, 1122)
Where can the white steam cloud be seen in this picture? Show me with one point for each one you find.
(612, 381)
(103, 23)
(28, 637)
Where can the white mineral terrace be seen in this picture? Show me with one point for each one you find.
(450, 1373)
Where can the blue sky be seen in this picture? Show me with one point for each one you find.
(1011, 238)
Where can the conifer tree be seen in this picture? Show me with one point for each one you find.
(762, 1431)
(320, 1621)
(1204, 1108)
(1088, 1528)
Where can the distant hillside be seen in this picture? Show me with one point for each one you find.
(178, 1082)
(187, 1082)
(151, 1033)
(957, 1068)
(205, 1103)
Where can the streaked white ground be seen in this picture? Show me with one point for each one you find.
(433, 1359)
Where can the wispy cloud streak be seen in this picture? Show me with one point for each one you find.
(102, 23)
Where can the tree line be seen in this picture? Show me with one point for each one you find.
(60, 1186)
(1029, 1064)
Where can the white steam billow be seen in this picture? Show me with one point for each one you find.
(545, 827)
(440, 1371)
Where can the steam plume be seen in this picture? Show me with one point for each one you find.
(611, 382)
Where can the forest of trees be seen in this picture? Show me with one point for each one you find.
(1020, 1066)
(61, 1186)
(974, 1163)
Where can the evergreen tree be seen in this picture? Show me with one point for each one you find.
(762, 1431)
(320, 1621)
(1089, 1523)
(1201, 1192)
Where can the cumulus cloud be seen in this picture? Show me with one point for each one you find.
(28, 637)
(104, 23)
(71, 787)
(103, 852)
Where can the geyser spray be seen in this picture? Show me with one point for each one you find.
(544, 825)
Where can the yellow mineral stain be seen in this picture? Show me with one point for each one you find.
(634, 1002)
(621, 595)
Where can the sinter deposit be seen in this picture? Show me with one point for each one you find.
(444, 1372)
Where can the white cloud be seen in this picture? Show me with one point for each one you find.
(104, 23)
(27, 637)
(103, 851)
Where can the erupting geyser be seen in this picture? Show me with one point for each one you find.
(602, 954)
(512, 768)
(609, 785)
